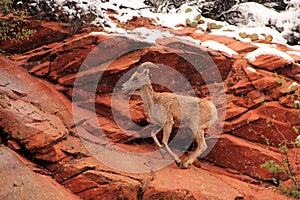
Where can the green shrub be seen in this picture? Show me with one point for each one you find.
(193, 23)
(213, 25)
(12, 28)
(255, 36)
(5, 6)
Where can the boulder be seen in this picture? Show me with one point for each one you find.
(18, 181)
(32, 119)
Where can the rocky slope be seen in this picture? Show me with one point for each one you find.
(36, 89)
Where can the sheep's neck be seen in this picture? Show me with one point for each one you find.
(147, 94)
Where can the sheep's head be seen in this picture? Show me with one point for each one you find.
(139, 78)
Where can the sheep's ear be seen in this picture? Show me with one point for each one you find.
(145, 73)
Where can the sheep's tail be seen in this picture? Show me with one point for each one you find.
(214, 114)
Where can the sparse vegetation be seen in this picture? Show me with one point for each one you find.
(193, 22)
(213, 25)
(286, 166)
(12, 27)
(255, 36)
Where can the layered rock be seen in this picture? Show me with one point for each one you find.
(260, 115)
(18, 181)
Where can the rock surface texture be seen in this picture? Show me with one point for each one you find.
(258, 115)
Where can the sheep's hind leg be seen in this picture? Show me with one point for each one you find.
(201, 147)
(160, 147)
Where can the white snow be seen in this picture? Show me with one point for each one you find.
(149, 35)
(297, 53)
(199, 31)
(216, 46)
(268, 51)
(250, 69)
(134, 4)
(189, 39)
(258, 17)
(176, 18)
(260, 31)
(264, 45)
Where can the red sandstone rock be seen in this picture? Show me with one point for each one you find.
(24, 114)
(73, 166)
(14, 145)
(268, 131)
(238, 46)
(51, 154)
(171, 183)
(19, 182)
(233, 110)
(243, 156)
(79, 184)
(270, 62)
(292, 71)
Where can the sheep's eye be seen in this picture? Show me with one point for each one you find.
(135, 79)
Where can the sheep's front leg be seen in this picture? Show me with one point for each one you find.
(153, 135)
(167, 129)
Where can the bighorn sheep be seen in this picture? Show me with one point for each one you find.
(166, 110)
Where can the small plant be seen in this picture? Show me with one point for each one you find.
(194, 22)
(286, 168)
(263, 101)
(268, 38)
(273, 167)
(188, 10)
(280, 80)
(213, 25)
(255, 36)
(191, 23)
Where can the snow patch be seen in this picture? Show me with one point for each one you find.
(258, 15)
(149, 35)
(199, 31)
(125, 10)
(251, 69)
(297, 53)
(268, 51)
(216, 46)
(189, 39)
(233, 32)
(176, 18)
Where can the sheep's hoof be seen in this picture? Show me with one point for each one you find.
(178, 162)
(183, 165)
